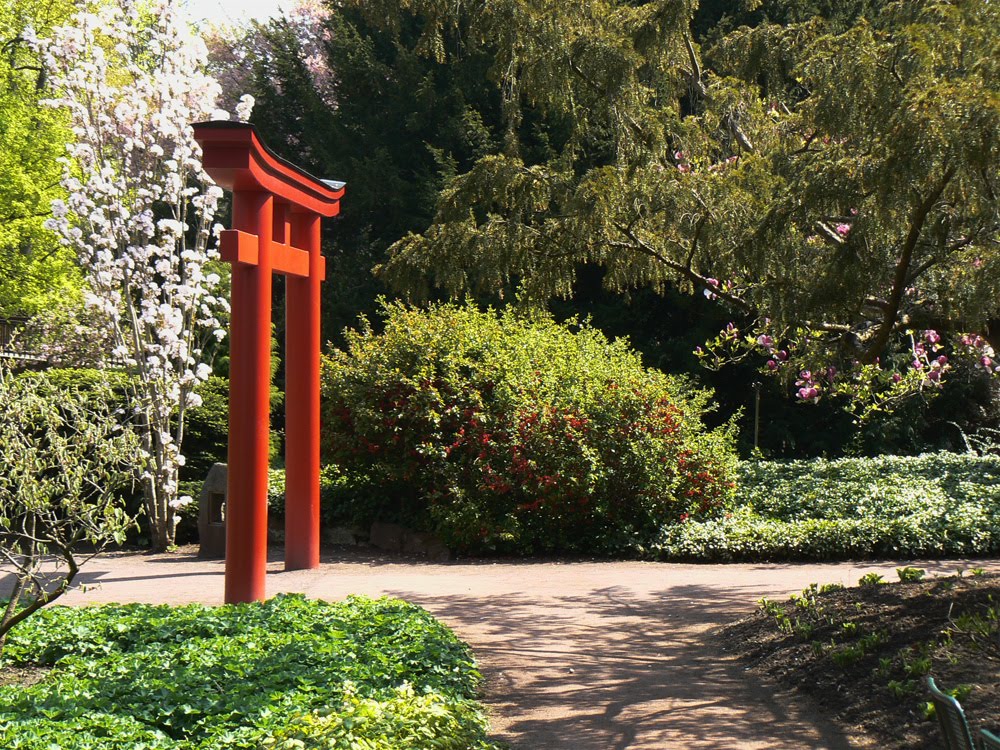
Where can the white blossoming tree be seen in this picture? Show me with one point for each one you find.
(140, 213)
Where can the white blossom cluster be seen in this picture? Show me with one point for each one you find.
(140, 207)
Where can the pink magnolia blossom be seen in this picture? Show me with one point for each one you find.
(808, 393)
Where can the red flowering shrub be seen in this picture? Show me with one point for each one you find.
(508, 433)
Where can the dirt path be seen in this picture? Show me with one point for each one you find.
(581, 656)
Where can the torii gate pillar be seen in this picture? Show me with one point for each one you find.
(277, 209)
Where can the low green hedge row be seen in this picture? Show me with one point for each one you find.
(288, 672)
(891, 506)
(881, 487)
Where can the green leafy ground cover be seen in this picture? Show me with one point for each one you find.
(913, 506)
(288, 672)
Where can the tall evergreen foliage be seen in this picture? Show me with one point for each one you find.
(347, 99)
(825, 173)
(835, 181)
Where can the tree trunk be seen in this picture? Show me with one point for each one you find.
(161, 537)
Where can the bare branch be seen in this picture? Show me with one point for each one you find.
(701, 281)
(917, 220)
(829, 234)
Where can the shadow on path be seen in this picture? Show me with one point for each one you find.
(606, 670)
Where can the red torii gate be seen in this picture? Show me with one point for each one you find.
(277, 209)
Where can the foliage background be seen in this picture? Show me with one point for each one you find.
(36, 271)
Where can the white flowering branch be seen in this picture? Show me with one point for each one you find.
(140, 212)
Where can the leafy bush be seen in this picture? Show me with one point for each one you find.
(364, 671)
(206, 442)
(67, 462)
(406, 719)
(85, 380)
(335, 490)
(890, 506)
(206, 430)
(519, 434)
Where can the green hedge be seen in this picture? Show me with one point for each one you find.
(510, 433)
(369, 674)
(890, 506)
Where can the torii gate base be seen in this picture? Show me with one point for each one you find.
(277, 209)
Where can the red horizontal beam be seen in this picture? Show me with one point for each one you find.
(240, 247)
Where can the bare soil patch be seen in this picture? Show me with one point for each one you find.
(860, 654)
(24, 675)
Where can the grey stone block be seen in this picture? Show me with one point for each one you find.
(212, 513)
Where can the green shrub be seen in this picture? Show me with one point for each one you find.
(206, 428)
(406, 719)
(335, 490)
(206, 442)
(206, 431)
(106, 389)
(67, 462)
(502, 432)
(881, 487)
(933, 505)
(910, 575)
(82, 380)
(362, 672)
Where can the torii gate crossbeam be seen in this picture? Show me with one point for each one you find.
(277, 209)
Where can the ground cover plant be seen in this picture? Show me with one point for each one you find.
(288, 672)
(508, 433)
(861, 653)
(889, 506)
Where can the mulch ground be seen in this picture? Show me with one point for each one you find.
(860, 654)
